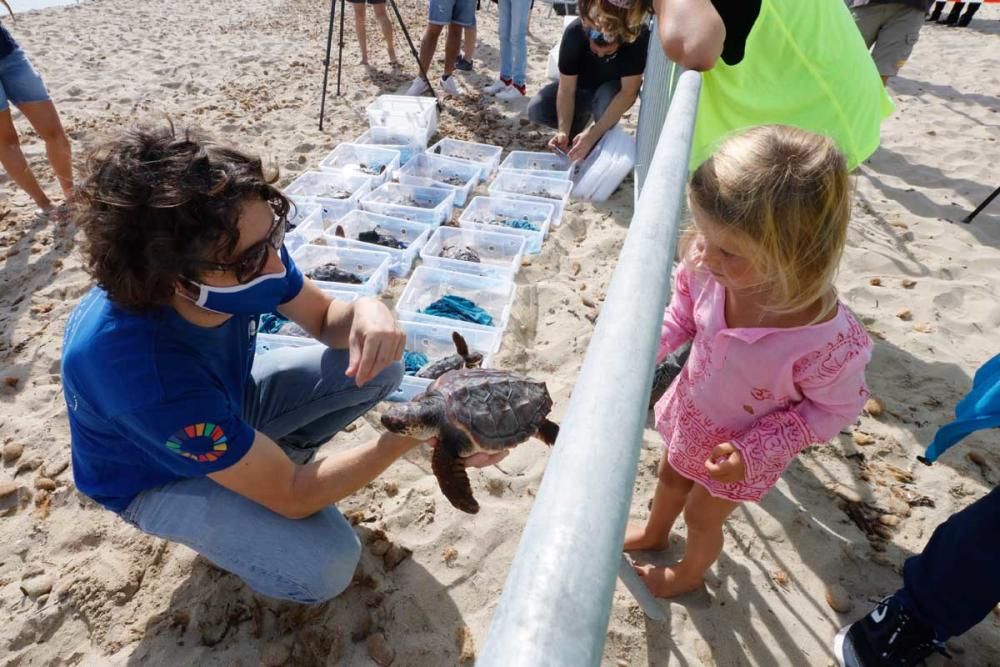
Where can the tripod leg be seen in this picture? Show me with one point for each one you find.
(979, 209)
(413, 50)
(340, 49)
(326, 64)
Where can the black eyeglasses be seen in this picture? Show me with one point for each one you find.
(252, 261)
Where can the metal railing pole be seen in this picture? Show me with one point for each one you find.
(556, 602)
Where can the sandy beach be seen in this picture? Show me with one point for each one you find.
(834, 532)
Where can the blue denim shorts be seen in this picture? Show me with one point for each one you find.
(19, 81)
(459, 12)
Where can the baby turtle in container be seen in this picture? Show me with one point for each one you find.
(473, 410)
(371, 169)
(375, 236)
(461, 252)
(333, 192)
(462, 358)
(331, 273)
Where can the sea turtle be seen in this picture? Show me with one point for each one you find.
(462, 252)
(330, 273)
(666, 371)
(473, 410)
(461, 359)
(379, 237)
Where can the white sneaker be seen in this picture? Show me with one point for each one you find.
(495, 87)
(450, 86)
(418, 87)
(510, 93)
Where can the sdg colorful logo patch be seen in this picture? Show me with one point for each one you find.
(204, 442)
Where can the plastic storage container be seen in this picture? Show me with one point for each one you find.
(495, 214)
(486, 156)
(515, 185)
(432, 206)
(499, 254)
(305, 221)
(418, 113)
(408, 141)
(336, 192)
(269, 342)
(427, 285)
(369, 265)
(435, 342)
(438, 172)
(413, 234)
(546, 165)
(378, 164)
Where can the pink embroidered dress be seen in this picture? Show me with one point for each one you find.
(770, 392)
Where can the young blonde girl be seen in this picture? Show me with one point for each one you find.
(777, 361)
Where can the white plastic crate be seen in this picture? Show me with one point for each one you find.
(516, 185)
(413, 234)
(378, 164)
(305, 221)
(435, 342)
(496, 213)
(428, 284)
(486, 156)
(546, 165)
(369, 265)
(499, 254)
(432, 206)
(438, 172)
(418, 113)
(270, 342)
(408, 141)
(336, 192)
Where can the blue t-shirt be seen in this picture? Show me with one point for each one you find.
(7, 43)
(153, 398)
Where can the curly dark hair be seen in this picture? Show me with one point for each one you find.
(623, 23)
(156, 201)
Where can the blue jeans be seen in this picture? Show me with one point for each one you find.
(954, 582)
(300, 398)
(20, 83)
(459, 12)
(514, 39)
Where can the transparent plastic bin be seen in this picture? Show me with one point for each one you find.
(485, 213)
(339, 294)
(499, 254)
(486, 156)
(435, 341)
(317, 186)
(515, 185)
(305, 221)
(432, 206)
(414, 234)
(438, 172)
(395, 111)
(545, 165)
(369, 265)
(428, 284)
(269, 342)
(378, 164)
(407, 141)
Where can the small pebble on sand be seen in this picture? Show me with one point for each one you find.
(37, 585)
(875, 282)
(449, 555)
(905, 314)
(863, 439)
(908, 283)
(12, 452)
(838, 599)
(875, 407)
(45, 484)
(379, 650)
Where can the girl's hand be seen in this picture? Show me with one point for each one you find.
(726, 464)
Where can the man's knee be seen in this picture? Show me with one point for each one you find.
(388, 380)
(332, 571)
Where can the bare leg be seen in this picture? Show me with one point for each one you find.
(451, 46)
(469, 46)
(14, 163)
(45, 119)
(704, 515)
(359, 29)
(386, 26)
(428, 44)
(668, 502)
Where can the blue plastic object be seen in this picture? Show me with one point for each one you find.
(413, 362)
(459, 308)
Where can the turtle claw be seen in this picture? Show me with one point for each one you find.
(453, 480)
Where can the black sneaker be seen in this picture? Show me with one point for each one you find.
(463, 64)
(887, 637)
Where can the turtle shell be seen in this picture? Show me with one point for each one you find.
(497, 409)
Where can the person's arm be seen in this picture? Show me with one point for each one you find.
(366, 327)
(622, 102)
(678, 325)
(267, 476)
(691, 32)
(565, 108)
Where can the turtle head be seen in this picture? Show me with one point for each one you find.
(419, 419)
(472, 359)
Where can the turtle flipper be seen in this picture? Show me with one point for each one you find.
(548, 431)
(453, 479)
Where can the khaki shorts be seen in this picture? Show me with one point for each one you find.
(893, 29)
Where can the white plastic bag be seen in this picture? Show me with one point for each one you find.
(610, 161)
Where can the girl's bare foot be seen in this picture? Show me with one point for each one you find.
(639, 538)
(668, 582)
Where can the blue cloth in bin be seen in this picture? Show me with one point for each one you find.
(522, 224)
(459, 308)
(413, 362)
(271, 323)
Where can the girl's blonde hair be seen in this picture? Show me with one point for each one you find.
(622, 23)
(788, 192)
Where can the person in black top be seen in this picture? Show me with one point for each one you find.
(599, 78)
(21, 86)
